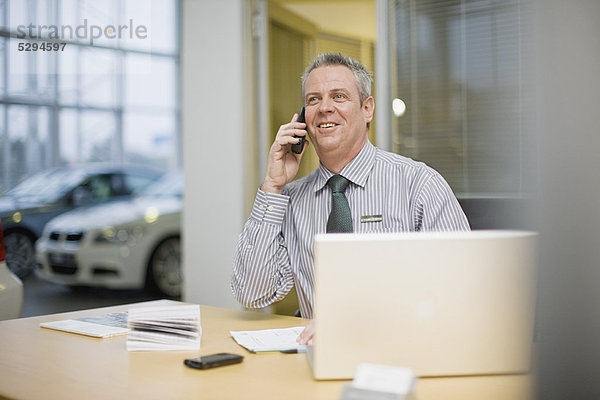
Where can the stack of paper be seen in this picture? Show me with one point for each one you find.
(175, 327)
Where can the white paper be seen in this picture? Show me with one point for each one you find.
(283, 339)
(102, 326)
(85, 328)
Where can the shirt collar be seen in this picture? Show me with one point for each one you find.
(357, 170)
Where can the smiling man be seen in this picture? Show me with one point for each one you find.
(382, 191)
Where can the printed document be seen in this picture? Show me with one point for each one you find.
(270, 339)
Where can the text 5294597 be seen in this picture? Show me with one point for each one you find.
(42, 46)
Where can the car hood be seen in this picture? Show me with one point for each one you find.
(9, 204)
(114, 213)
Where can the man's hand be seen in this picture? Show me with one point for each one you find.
(282, 165)
(306, 336)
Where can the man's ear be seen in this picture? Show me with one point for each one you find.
(368, 108)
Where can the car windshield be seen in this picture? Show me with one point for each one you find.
(169, 185)
(48, 186)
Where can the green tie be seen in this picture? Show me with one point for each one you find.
(340, 218)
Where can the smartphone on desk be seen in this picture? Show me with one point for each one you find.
(213, 360)
(298, 147)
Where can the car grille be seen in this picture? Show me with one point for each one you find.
(64, 264)
(74, 237)
(56, 236)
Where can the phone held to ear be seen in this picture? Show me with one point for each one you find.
(213, 360)
(298, 147)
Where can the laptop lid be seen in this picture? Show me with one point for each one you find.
(443, 304)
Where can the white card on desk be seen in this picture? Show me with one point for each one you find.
(383, 378)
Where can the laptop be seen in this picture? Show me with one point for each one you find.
(442, 304)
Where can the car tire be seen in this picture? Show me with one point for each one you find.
(20, 253)
(164, 269)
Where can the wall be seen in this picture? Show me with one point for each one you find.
(568, 82)
(213, 93)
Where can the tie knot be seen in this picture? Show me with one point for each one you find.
(338, 183)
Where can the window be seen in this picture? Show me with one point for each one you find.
(108, 93)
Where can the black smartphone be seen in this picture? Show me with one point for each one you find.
(213, 360)
(297, 148)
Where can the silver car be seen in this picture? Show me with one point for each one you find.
(27, 208)
(131, 243)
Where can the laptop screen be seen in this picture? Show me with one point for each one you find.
(443, 304)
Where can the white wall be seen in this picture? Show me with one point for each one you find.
(213, 138)
(567, 78)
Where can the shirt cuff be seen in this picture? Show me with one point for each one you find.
(269, 207)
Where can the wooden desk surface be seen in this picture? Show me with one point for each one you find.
(37, 363)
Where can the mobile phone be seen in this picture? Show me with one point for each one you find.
(213, 360)
(298, 147)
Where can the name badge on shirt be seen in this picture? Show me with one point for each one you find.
(371, 218)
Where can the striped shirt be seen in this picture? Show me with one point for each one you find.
(387, 193)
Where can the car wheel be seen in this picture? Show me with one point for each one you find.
(164, 269)
(20, 253)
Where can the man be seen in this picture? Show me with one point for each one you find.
(386, 192)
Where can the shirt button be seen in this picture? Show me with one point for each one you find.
(261, 207)
(270, 208)
(249, 247)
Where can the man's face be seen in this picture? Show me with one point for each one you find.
(335, 118)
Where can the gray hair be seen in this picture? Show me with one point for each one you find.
(361, 75)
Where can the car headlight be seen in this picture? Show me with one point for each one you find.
(116, 235)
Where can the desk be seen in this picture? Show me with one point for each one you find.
(37, 363)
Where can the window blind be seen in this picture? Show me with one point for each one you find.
(461, 71)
